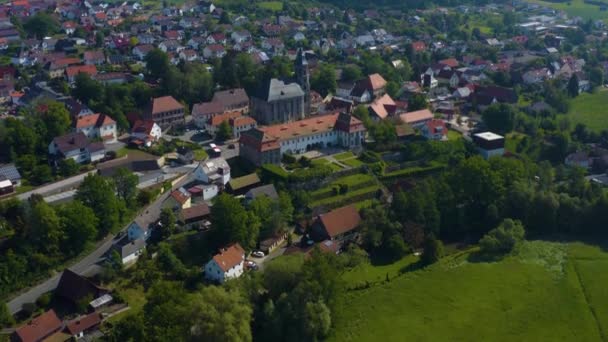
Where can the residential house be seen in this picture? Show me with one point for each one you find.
(264, 190)
(178, 200)
(141, 51)
(579, 159)
(214, 51)
(94, 57)
(213, 171)
(195, 216)
(38, 328)
(489, 144)
(69, 27)
(98, 126)
(487, 95)
(240, 185)
(111, 78)
(203, 112)
(139, 229)
(435, 129)
(227, 264)
(338, 225)
(232, 100)
(72, 71)
(240, 36)
(417, 119)
(146, 132)
(382, 108)
(165, 111)
(75, 288)
(78, 327)
(58, 66)
(241, 124)
(130, 251)
(76, 146)
(213, 124)
(10, 172)
(536, 76)
(188, 55)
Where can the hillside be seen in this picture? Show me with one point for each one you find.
(549, 292)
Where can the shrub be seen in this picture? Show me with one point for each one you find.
(504, 238)
(288, 158)
(433, 250)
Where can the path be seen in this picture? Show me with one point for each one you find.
(69, 183)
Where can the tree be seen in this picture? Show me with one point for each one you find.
(324, 80)
(232, 223)
(433, 250)
(129, 330)
(99, 39)
(79, 224)
(41, 25)
(68, 167)
(87, 89)
(224, 131)
(499, 117)
(6, 319)
(98, 193)
(417, 102)
(392, 89)
(45, 228)
(126, 185)
(167, 220)
(504, 238)
(351, 73)
(56, 119)
(318, 320)
(157, 63)
(221, 315)
(41, 174)
(573, 86)
(224, 18)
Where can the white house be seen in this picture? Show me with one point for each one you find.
(228, 264)
(138, 230)
(146, 131)
(97, 126)
(213, 171)
(130, 252)
(76, 146)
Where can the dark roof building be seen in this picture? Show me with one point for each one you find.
(75, 287)
(264, 190)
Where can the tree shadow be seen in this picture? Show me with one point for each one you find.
(480, 257)
(418, 265)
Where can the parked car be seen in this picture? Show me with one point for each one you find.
(258, 254)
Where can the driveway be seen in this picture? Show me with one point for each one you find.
(263, 261)
(147, 216)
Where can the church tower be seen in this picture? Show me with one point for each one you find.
(303, 78)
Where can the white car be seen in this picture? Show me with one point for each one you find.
(258, 254)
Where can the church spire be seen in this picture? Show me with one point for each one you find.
(303, 78)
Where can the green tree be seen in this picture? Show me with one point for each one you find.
(573, 86)
(157, 63)
(98, 193)
(224, 131)
(167, 220)
(499, 117)
(324, 80)
(6, 319)
(41, 25)
(351, 73)
(232, 223)
(45, 228)
(417, 102)
(318, 320)
(79, 224)
(128, 330)
(433, 250)
(392, 89)
(126, 185)
(41, 174)
(87, 89)
(68, 167)
(504, 238)
(56, 119)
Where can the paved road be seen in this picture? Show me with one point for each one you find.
(67, 183)
(150, 215)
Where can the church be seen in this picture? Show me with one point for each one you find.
(279, 101)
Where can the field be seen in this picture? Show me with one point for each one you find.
(275, 6)
(549, 292)
(590, 109)
(577, 8)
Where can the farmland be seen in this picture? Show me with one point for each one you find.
(590, 109)
(548, 292)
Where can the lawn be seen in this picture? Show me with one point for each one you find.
(453, 135)
(590, 109)
(200, 154)
(275, 6)
(576, 8)
(344, 155)
(535, 296)
(352, 162)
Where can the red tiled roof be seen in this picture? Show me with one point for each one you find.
(416, 116)
(93, 55)
(165, 104)
(383, 106)
(229, 257)
(72, 71)
(97, 120)
(218, 119)
(81, 324)
(418, 46)
(144, 126)
(341, 220)
(179, 196)
(39, 328)
(242, 121)
(451, 62)
(376, 81)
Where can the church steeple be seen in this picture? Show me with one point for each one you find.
(303, 78)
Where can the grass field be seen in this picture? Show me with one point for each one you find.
(591, 110)
(549, 292)
(274, 6)
(453, 135)
(577, 8)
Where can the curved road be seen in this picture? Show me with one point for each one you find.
(150, 215)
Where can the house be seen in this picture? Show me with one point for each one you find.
(75, 288)
(130, 251)
(165, 111)
(272, 243)
(214, 51)
(145, 132)
(487, 95)
(178, 200)
(337, 225)
(77, 147)
(138, 229)
(580, 159)
(489, 144)
(240, 185)
(6, 187)
(213, 171)
(536, 76)
(94, 57)
(170, 45)
(193, 217)
(205, 111)
(10, 172)
(69, 27)
(107, 78)
(72, 71)
(418, 118)
(141, 51)
(382, 108)
(227, 264)
(240, 36)
(98, 126)
(188, 55)
(38, 328)
(212, 125)
(435, 129)
(232, 100)
(265, 190)
(375, 84)
(79, 326)
(241, 124)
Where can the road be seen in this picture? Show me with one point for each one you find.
(67, 183)
(150, 215)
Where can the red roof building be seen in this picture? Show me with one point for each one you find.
(38, 328)
(338, 224)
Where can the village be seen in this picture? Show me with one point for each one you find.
(233, 138)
